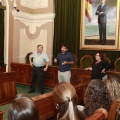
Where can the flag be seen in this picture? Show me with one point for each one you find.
(88, 9)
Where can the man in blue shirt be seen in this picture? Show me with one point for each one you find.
(64, 60)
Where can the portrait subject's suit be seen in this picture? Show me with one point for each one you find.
(102, 20)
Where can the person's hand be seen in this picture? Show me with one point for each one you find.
(97, 11)
(64, 62)
(103, 71)
(86, 69)
(55, 60)
(31, 64)
(45, 69)
(100, 13)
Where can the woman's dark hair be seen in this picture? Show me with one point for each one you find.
(102, 56)
(97, 96)
(23, 108)
(64, 45)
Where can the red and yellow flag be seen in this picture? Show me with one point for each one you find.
(88, 9)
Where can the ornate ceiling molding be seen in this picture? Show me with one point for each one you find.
(34, 4)
(33, 21)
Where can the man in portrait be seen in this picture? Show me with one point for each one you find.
(102, 20)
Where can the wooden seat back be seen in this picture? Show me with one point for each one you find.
(46, 105)
(114, 110)
(100, 114)
(86, 61)
(117, 65)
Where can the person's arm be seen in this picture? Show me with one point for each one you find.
(47, 62)
(71, 60)
(65, 62)
(30, 59)
(107, 66)
(46, 67)
(89, 68)
(56, 60)
(97, 12)
(105, 11)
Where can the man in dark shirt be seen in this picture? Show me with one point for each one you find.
(102, 20)
(64, 60)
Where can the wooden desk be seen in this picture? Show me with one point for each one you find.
(24, 75)
(7, 87)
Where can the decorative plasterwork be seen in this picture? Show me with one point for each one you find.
(34, 4)
(33, 21)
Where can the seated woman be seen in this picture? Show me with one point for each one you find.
(23, 108)
(66, 98)
(99, 68)
(96, 96)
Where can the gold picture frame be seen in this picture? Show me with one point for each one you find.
(87, 41)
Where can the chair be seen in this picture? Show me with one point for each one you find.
(75, 61)
(106, 58)
(27, 58)
(117, 65)
(86, 61)
(114, 113)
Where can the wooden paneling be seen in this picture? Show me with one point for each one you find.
(24, 75)
(2, 69)
(51, 76)
(7, 87)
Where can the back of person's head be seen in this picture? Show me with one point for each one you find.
(23, 108)
(66, 99)
(113, 86)
(96, 96)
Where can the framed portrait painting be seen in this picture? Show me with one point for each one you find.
(100, 25)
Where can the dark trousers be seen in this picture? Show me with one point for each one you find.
(102, 32)
(38, 74)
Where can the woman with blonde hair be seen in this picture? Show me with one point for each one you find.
(66, 98)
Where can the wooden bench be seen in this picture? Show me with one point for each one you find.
(46, 105)
(7, 87)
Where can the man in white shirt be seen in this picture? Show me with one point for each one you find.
(39, 66)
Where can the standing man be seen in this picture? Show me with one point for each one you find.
(64, 60)
(39, 66)
(102, 20)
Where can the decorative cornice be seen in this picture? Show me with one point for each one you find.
(33, 21)
(34, 4)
